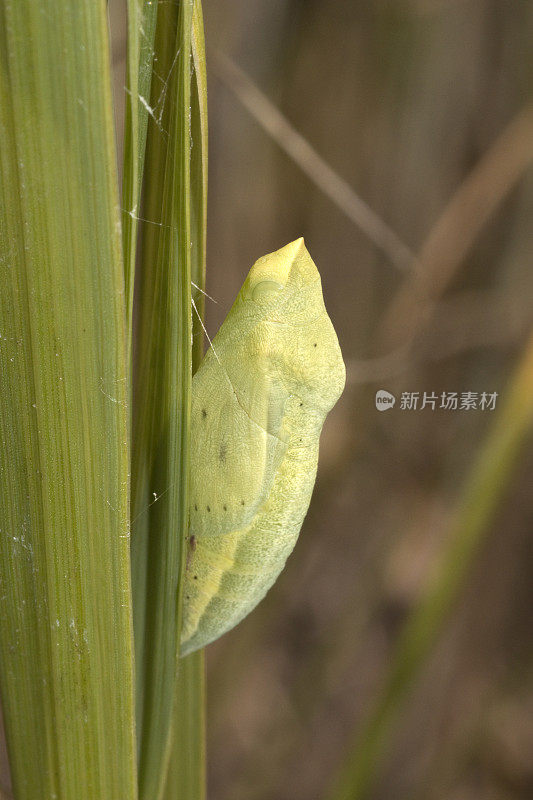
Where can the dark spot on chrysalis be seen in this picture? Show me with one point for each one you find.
(208, 508)
(195, 507)
(301, 404)
(188, 597)
(222, 452)
(196, 577)
(242, 502)
(204, 412)
(225, 508)
(314, 344)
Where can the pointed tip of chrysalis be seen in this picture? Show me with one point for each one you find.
(291, 263)
(302, 268)
(299, 242)
(292, 249)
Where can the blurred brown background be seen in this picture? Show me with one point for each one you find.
(422, 107)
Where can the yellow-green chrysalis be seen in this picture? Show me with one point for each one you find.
(260, 398)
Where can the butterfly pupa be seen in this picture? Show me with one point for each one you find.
(259, 401)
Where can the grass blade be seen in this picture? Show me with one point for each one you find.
(186, 771)
(186, 777)
(142, 17)
(66, 667)
(485, 489)
(198, 178)
(162, 397)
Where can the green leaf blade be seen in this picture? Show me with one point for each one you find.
(142, 18)
(66, 666)
(162, 400)
(186, 777)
